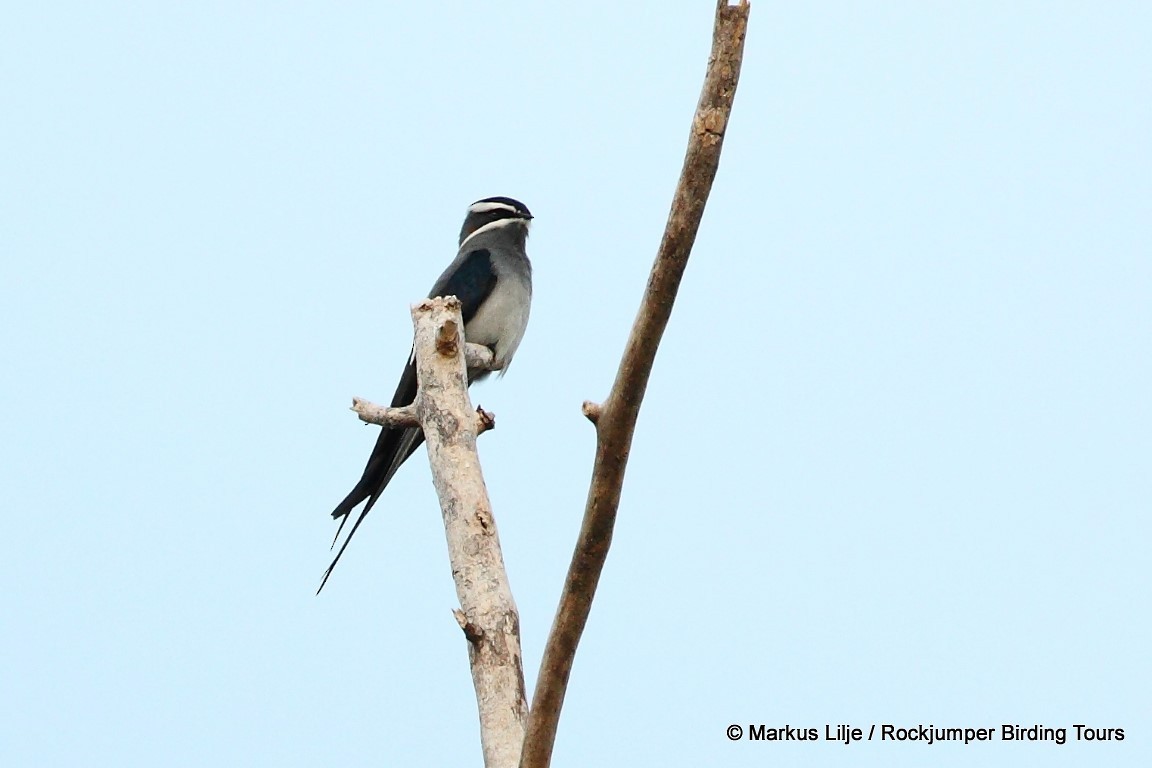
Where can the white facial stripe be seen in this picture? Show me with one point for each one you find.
(493, 225)
(486, 207)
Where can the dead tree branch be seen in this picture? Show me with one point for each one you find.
(487, 612)
(477, 357)
(392, 418)
(615, 419)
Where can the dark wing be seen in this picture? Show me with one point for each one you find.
(471, 279)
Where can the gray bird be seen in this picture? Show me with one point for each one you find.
(492, 277)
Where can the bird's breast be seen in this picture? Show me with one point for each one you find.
(500, 321)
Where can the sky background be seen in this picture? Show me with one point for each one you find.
(895, 460)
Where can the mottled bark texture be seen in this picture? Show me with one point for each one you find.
(487, 611)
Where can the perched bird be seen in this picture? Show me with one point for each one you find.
(492, 277)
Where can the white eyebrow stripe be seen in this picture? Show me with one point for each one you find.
(493, 225)
(483, 207)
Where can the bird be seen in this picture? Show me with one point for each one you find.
(492, 277)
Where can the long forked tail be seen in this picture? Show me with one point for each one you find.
(392, 450)
(351, 533)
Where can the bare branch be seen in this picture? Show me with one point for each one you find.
(617, 415)
(487, 612)
(479, 357)
(405, 416)
(393, 418)
(591, 411)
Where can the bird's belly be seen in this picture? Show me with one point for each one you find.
(501, 320)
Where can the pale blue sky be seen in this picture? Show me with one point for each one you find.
(894, 462)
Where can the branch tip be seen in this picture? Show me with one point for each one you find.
(472, 633)
(484, 421)
(399, 417)
(446, 338)
(478, 357)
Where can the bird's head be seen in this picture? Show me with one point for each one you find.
(493, 212)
